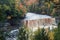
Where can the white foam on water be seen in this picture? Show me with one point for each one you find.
(11, 38)
(14, 31)
(33, 16)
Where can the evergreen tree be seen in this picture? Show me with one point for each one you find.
(41, 35)
(8, 10)
(2, 37)
(57, 33)
(22, 34)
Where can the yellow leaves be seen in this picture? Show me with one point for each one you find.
(56, 1)
(46, 3)
(54, 10)
(51, 35)
(9, 17)
(49, 5)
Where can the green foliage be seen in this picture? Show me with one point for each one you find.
(8, 8)
(22, 34)
(57, 33)
(2, 35)
(41, 35)
(3, 9)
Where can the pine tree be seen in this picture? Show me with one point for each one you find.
(57, 33)
(8, 10)
(22, 34)
(41, 35)
(2, 35)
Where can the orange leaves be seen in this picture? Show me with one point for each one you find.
(21, 7)
(30, 2)
(56, 1)
(27, 3)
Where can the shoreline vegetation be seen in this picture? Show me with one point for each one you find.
(12, 13)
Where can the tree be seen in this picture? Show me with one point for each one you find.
(57, 33)
(8, 10)
(23, 35)
(3, 9)
(2, 35)
(41, 35)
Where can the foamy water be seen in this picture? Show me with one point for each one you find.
(33, 16)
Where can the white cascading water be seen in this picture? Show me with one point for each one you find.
(29, 16)
(34, 16)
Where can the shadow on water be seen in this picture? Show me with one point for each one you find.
(11, 26)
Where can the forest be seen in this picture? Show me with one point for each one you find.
(12, 11)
